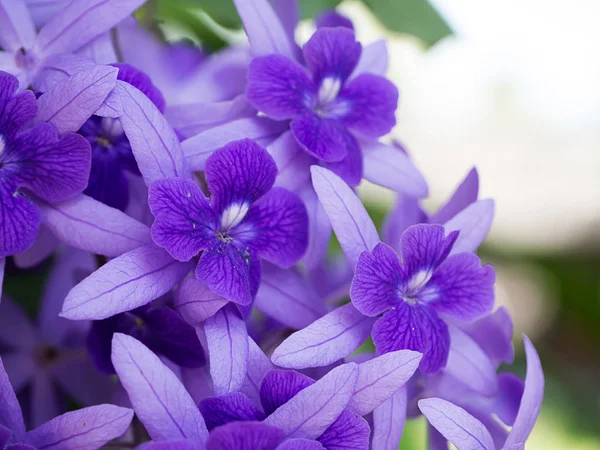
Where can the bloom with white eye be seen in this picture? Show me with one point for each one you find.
(233, 215)
(2, 144)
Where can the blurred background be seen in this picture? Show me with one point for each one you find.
(513, 88)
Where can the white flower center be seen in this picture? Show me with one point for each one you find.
(233, 215)
(415, 286)
(329, 90)
(2, 144)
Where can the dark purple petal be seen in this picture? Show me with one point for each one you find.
(245, 436)
(169, 445)
(184, 222)
(348, 432)
(350, 169)
(414, 327)
(20, 220)
(234, 407)
(237, 175)
(465, 194)
(140, 80)
(493, 333)
(332, 52)
(5, 435)
(279, 87)
(371, 101)
(424, 248)
(279, 386)
(228, 271)
(300, 444)
(325, 139)
(15, 110)
(461, 287)
(508, 399)
(331, 18)
(375, 285)
(276, 228)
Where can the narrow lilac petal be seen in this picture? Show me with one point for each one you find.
(16, 330)
(43, 402)
(293, 163)
(199, 148)
(239, 173)
(474, 223)
(233, 407)
(380, 378)
(10, 412)
(321, 137)
(131, 280)
(389, 167)
(101, 50)
(493, 333)
(80, 22)
(375, 285)
(87, 428)
(20, 221)
(325, 341)
(352, 225)
(468, 363)
(192, 118)
(245, 436)
(154, 143)
(184, 221)
(196, 302)
(265, 32)
(425, 247)
(278, 222)
(159, 399)
(465, 194)
(462, 288)
(373, 59)
(259, 366)
(349, 432)
(45, 244)
(20, 368)
(286, 296)
(388, 421)
(227, 340)
(89, 225)
(508, 398)
(280, 386)
(312, 410)
(531, 402)
(279, 87)
(455, 424)
(142, 82)
(332, 52)
(414, 328)
(70, 103)
(372, 101)
(349, 169)
(58, 68)
(319, 228)
(288, 12)
(406, 212)
(300, 444)
(16, 26)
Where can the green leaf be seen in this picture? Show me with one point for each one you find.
(415, 17)
(312, 8)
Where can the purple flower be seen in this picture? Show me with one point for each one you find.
(412, 293)
(88, 428)
(34, 164)
(326, 104)
(331, 18)
(245, 220)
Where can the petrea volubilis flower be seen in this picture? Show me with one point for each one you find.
(246, 220)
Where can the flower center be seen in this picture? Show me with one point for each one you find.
(415, 285)
(25, 59)
(233, 215)
(329, 90)
(47, 355)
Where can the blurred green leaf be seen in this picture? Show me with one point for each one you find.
(312, 8)
(221, 11)
(415, 17)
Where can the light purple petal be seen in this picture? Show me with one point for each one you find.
(131, 280)
(58, 68)
(16, 330)
(288, 12)
(381, 377)
(263, 28)
(45, 244)
(245, 436)
(198, 149)
(373, 59)
(319, 228)
(16, 26)
(286, 296)
(90, 225)
(43, 402)
(325, 341)
(321, 137)
(293, 163)
(332, 52)
(85, 429)
(227, 340)
(10, 411)
(468, 363)
(389, 167)
(531, 402)
(349, 432)
(465, 194)
(70, 103)
(258, 366)
(312, 410)
(101, 50)
(80, 22)
(493, 333)
(388, 421)
(159, 399)
(350, 221)
(455, 424)
(154, 143)
(349, 169)
(474, 223)
(279, 87)
(196, 302)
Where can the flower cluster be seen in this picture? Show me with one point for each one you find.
(187, 201)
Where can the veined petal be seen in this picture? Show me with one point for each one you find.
(20, 221)
(319, 228)
(349, 432)
(350, 169)
(388, 421)
(424, 248)
(245, 436)
(321, 137)
(258, 367)
(58, 68)
(300, 444)
(233, 407)
(332, 52)
(280, 386)
(196, 302)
